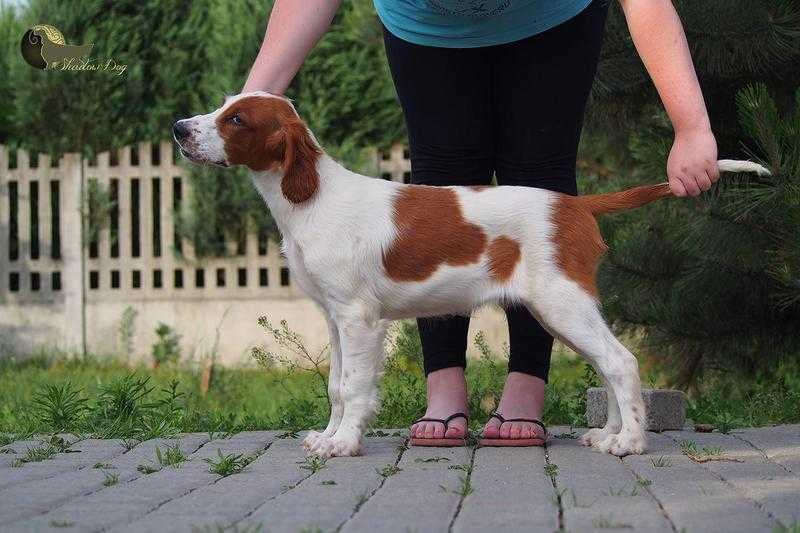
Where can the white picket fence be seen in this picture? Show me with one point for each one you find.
(57, 293)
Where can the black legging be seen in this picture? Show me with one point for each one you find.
(515, 110)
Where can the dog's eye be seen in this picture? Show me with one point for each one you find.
(236, 119)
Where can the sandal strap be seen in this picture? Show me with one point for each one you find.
(503, 420)
(444, 421)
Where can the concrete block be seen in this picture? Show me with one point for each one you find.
(665, 408)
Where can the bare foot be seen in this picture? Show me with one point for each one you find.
(447, 394)
(523, 397)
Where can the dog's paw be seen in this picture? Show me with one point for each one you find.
(593, 436)
(335, 447)
(622, 444)
(311, 438)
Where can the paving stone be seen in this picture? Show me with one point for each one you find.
(229, 499)
(511, 493)
(666, 409)
(769, 484)
(84, 453)
(312, 505)
(780, 444)
(125, 502)
(598, 492)
(692, 497)
(11, 452)
(40, 496)
(421, 497)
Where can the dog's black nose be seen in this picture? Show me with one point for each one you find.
(180, 129)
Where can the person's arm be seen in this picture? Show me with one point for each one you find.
(294, 27)
(659, 38)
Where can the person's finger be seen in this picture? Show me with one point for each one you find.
(691, 186)
(677, 188)
(713, 171)
(703, 181)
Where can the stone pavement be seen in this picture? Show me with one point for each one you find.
(746, 481)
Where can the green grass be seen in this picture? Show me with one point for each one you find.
(171, 456)
(104, 398)
(229, 464)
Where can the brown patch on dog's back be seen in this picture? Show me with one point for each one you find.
(504, 254)
(479, 188)
(431, 231)
(272, 136)
(578, 243)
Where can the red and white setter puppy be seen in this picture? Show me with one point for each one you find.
(369, 251)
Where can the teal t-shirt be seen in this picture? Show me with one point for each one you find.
(473, 23)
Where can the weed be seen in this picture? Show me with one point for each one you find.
(8, 450)
(104, 466)
(166, 350)
(572, 501)
(725, 422)
(376, 433)
(661, 462)
(111, 479)
(288, 435)
(388, 470)
(712, 453)
(551, 469)
(39, 453)
(607, 523)
(464, 467)
(130, 443)
(7, 438)
(465, 487)
(314, 463)
(431, 459)
(127, 331)
(623, 491)
(567, 435)
(228, 464)
(147, 469)
(61, 523)
(59, 407)
(644, 482)
(291, 341)
(173, 456)
(328, 482)
(792, 527)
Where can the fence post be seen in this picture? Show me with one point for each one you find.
(4, 221)
(73, 282)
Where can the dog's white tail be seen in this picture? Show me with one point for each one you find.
(734, 165)
(600, 204)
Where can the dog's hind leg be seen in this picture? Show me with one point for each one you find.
(361, 341)
(334, 387)
(613, 420)
(572, 315)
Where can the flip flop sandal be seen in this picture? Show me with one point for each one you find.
(443, 442)
(500, 442)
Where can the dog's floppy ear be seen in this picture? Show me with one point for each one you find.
(296, 153)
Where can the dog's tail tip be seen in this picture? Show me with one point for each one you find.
(735, 165)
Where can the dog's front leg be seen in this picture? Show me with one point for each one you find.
(334, 387)
(362, 356)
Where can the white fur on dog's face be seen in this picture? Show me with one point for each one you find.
(203, 142)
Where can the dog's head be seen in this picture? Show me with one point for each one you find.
(260, 131)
